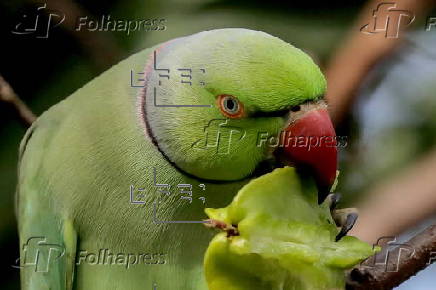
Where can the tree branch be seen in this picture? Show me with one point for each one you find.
(397, 266)
(8, 95)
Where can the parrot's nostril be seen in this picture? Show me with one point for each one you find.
(296, 108)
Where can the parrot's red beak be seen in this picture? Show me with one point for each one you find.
(310, 144)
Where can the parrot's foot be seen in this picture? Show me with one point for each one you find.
(344, 218)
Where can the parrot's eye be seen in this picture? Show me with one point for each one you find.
(230, 106)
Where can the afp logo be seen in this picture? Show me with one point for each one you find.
(387, 19)
(37, 253)
(219, 136)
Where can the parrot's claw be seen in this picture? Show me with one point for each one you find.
(345, 220)
(333, 200)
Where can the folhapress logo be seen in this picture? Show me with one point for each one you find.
(387, 19)
(39, 254)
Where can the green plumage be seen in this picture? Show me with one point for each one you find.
(80, 158)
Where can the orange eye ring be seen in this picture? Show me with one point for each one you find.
(230, 106)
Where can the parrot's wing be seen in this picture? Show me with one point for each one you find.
(48, 241)
(51, 178)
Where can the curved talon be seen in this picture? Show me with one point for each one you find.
(340, 215)
(333, 200)
(350, 220)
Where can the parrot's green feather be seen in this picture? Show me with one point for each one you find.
(81, 157)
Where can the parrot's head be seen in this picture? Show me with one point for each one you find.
(222, 105)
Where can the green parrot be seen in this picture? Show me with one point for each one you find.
(114, 180)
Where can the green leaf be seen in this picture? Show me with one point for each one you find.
(283, 240)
